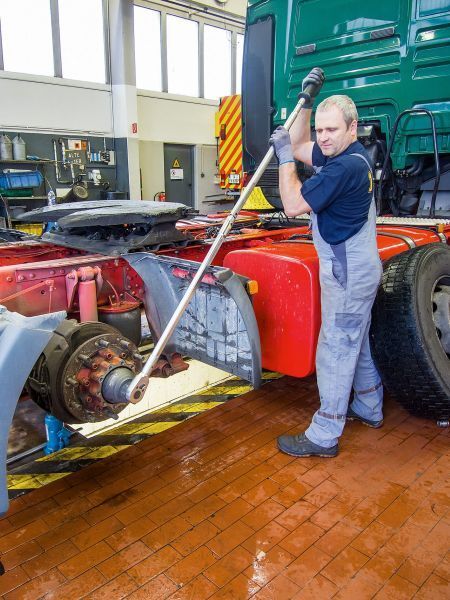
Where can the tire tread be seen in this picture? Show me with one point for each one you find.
(397, 343)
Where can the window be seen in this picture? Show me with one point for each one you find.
(239, 57)
(147, 36)
(217, 62)
(433, 7)
(27, 36)
(82, 39)
(182, 56)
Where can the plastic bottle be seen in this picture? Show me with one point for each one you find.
(51, 201)
(19, 148)
(51, 198)
(6, 152)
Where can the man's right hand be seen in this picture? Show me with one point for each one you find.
(313, 81)
(281, 142)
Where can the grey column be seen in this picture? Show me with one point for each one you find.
(124, 98)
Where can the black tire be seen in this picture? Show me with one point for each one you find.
(406, 342)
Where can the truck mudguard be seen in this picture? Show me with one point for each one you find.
(22, 339)
(219, 326)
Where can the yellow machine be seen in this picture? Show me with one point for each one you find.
(229, 137)
(229, 150)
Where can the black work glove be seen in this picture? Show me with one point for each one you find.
(311, 86)
(281, 142)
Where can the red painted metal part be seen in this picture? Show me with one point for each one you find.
(30, 252)
(26, 267)
(257, 237)
(19, 280)
(88, 282)
(87, 297)
(34, 280)
(287, 305)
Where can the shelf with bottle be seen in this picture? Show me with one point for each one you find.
(24, 197)
(28, 161)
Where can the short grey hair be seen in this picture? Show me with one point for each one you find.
(344, 103)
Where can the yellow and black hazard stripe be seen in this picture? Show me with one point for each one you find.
(83, 452)
(230, 143)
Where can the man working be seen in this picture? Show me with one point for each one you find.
(339, 197)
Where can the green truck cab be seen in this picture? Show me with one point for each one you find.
(393, 59)
(389, 57)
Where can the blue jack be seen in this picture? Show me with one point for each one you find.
(57, 435)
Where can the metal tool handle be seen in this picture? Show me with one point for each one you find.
(139, 384)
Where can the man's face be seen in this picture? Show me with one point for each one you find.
(333, 135)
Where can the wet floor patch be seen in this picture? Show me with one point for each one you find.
(83, 452)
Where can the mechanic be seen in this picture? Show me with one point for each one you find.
(339, 197)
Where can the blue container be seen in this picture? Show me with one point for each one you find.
(24, 179)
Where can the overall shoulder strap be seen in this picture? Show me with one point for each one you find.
(362, 157)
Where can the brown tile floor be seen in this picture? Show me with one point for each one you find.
(211, 509)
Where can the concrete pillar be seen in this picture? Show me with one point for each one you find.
(124, 98)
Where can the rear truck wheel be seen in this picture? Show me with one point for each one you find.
(410, 334)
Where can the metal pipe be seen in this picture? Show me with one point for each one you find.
(412, 111)
(139, 383)
(417, 167)
(25, 453)
(57, 171)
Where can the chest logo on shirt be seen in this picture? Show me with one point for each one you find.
(370, 181)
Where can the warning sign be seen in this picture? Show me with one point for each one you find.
(176, 164)
(176, 174)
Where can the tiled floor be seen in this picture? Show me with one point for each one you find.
(211, 509)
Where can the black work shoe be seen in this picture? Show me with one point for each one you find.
(352, 416)
(299, 445)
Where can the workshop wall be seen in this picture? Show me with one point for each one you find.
(41, 146)
(32, 104)
(48, 103)
(151, 161)
(43, 108)
(234, 7)
(177, 119)
(182, 120)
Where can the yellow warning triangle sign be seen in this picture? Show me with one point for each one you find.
(176, 164)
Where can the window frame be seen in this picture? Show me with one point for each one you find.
(200, 54)
(232, 88)
(202, 18)
(162, 29)
(201, 14)
(56, 45)
(2, 63)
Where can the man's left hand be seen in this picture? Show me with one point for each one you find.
(281, 142)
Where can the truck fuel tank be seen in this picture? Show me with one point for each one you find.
(287, 305)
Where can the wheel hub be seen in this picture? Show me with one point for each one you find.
(441, 314)
(87, 368)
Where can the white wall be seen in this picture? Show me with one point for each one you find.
(177, 119)
(210, 198)
(151, 162)
(183, 120)
(48, 104)
(234, 7)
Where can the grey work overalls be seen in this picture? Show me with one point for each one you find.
(349, 277)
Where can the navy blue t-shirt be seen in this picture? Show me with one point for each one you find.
(340, 194)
